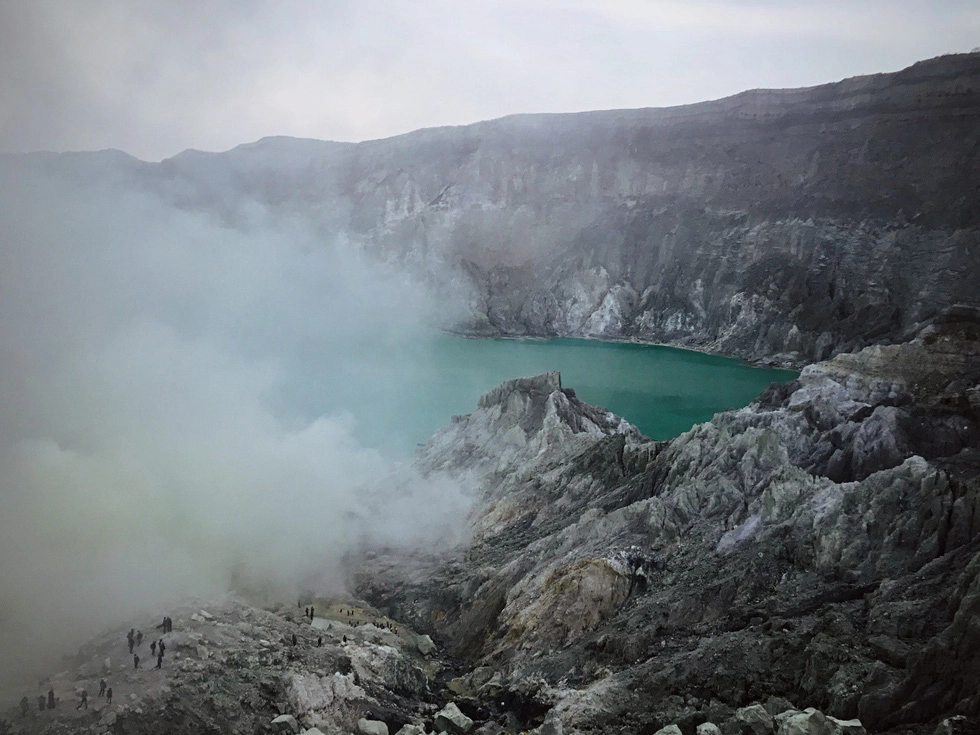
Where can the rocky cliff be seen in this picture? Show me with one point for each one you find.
(819, 547)
(775, 224)
(784, 225)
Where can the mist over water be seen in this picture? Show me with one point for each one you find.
(188, 404)
(664, 391)
(145, 456)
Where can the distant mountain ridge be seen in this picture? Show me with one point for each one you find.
(775, 225)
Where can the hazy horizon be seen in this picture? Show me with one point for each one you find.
(155, 81)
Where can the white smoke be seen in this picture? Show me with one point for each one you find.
(145, 451)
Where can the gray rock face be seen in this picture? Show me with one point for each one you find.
(371, 727)
(782, 225)
(612, 579)
(286, 723)
(450, 720)
(809, 722)
(754, 720)
(248, 683)
(613, 584)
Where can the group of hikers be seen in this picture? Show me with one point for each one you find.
(383, 624)
(134, 639)
(50, 702)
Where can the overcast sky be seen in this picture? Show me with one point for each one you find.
(155, 78)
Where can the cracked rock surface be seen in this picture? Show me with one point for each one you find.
(820, 546)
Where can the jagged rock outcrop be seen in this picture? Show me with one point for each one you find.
(346, 671)
(821, 545)
(782, 225)
(737, 575)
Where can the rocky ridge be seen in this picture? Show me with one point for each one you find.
(775, 225)
(807, 565)
(240, 667)
(819, 546)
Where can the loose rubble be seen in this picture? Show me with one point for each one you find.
(807, 565)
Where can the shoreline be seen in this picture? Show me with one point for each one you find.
(758, 363)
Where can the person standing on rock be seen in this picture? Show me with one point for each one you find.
(52, 703)
(139, 637)
(40, 703)
(101, 687)
(160, 661)
(84, 700)
(136, 661)
(131, 639)
(294, 639)
(311, 613)
(108, 695)
(153, 648)
(162, 647)
(319, 642)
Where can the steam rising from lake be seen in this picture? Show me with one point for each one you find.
(145, 452)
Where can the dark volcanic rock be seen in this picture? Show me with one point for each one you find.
(783, 225)
(625, 584)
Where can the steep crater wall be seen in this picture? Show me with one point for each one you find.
(774, 225)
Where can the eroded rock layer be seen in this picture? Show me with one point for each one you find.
(780, 225)
(821, 546)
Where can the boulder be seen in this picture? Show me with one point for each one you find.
(425, 645)
(669, 730)
(202, 652)
(754, 720)
(775, 705)
(451, 720)
(952, 726)
(808, 722)
(286, 723)
(371, 727)
(708, 728)
(489, 728)
(411, 730)
(848, 727)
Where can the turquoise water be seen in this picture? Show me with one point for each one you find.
(398, 396)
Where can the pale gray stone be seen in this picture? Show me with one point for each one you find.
(286, 722)
(371, 727)
(808, 722)
(450, 719)
(754, 720)
(425, 645)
